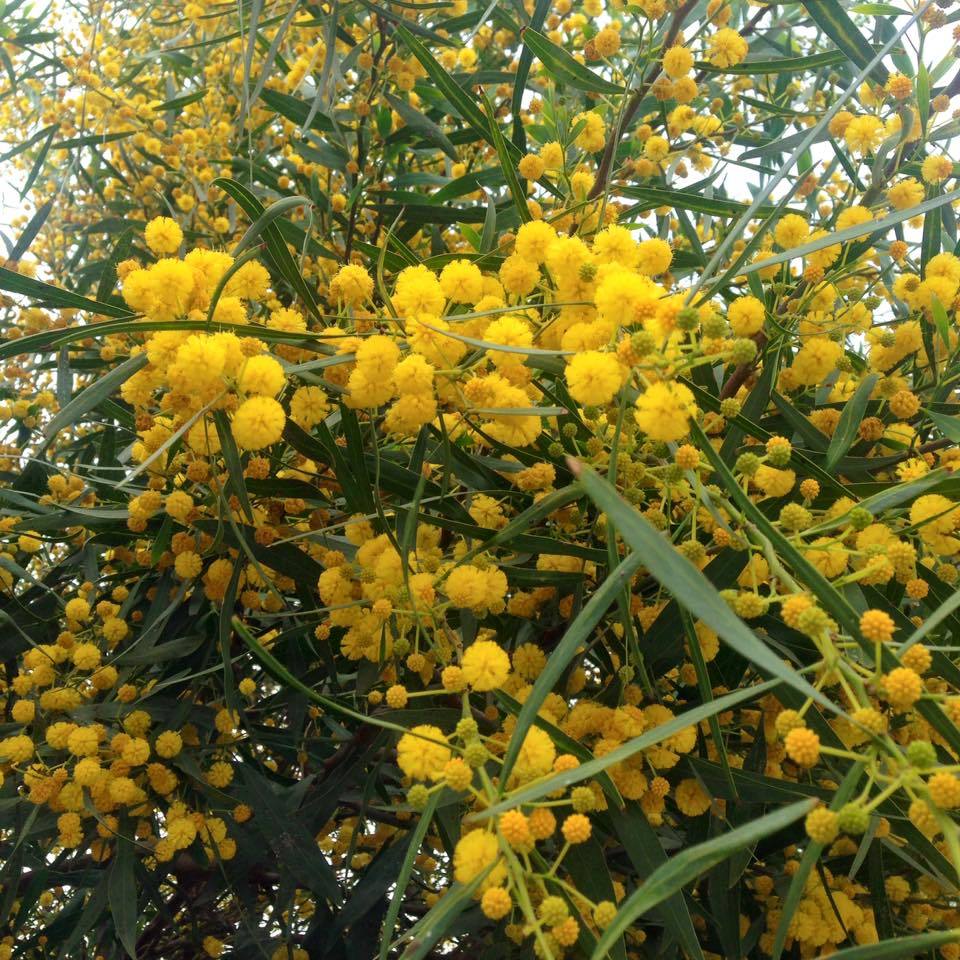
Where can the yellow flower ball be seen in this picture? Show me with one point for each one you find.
(163, 235)
(258, 423)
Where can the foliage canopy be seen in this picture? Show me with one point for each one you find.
(479, 480)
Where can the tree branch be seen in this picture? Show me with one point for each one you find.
(613, 141)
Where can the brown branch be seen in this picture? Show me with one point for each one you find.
(610, 148)
(613, 141)
(742, 373)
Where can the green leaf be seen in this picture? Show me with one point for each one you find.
(464, 104)
(48, 295)
(101, 389)
(523, 71)
(276, 209)
(871, 228)
(900, 948)
(787, 66)
(689, 586)
(296, 110)
(277, 252)
(810, 856)
(689, 864)
(834, 21)
(506, 164)
(178, 103)
(947, 425)
(122, 895)
(586, 771)
(423, 125)
(850, 420)
(692, 200)
(878, 10)
(403, 877)
(575, 636)
(430, 928)
(31, 230)
(643, 847)
(563, 67)
(231, 459)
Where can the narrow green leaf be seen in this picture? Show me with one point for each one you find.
(507, 165)
(690, 864)
(810, 856)
(276, 209)
(689, 586)
(101, 388)
(178, 103)
(464, 104)
(947, 425)
(231, 459)
(540, 12)
(403, 877)
(423, 125)
(575, 636)
(587, 771)
(787, 66)
(122, 894)
(46, 294)
(643, 847)
(31, 230)
(850, 420)
(563, 67)
(834, 21)
(277, 251)
(899, 949)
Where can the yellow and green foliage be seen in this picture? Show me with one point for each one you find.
(479, 480)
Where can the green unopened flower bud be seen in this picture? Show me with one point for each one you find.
(921, 754)
(747, 464)
(587, 272)
(418, 796)
(853, 819)
(660, 450)
(467, 729)
(813, 622)
(594, 446)
(860, 518)
(642, 343)
(744, 350)
(673, 473)
(555, 449)
(730, 407)
(657, 519)
(688, 319)
(715, 327)
(583, 799)
(401, 647)
(729, 597)
(693, 550)
(475, 754)
(569, 430)
(795, 517)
